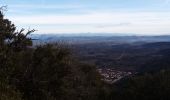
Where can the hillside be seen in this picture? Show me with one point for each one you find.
(82, 68)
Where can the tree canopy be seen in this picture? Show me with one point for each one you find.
(44, 72)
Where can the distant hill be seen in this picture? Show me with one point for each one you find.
(134, 53)
(83, 39)
(131, 56)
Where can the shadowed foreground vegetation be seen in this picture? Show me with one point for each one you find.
(45, 72)
(50, 72)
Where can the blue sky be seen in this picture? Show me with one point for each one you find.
(141, 17)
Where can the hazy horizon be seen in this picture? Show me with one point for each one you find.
(99, 34)
(138, 17)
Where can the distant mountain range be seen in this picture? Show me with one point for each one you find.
(96, 38)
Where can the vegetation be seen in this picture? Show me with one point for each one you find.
(8, 93)
(146, 87)
(45, 72)
(135, 57)
(50, 72)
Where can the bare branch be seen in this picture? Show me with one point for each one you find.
(3, 8)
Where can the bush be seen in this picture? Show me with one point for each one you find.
(8, 93)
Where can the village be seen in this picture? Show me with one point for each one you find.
(111, 75)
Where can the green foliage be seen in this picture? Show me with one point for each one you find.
(8, 93)
(50, 72)
(146, 87)
(11, 42)
(11, 38)
(45, 72)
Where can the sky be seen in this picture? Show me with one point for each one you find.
(140, 17)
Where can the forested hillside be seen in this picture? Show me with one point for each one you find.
(52, 72)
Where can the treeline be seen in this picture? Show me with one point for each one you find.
(144, 87)
(50, 72)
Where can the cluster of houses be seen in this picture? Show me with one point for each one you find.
(111, 75)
